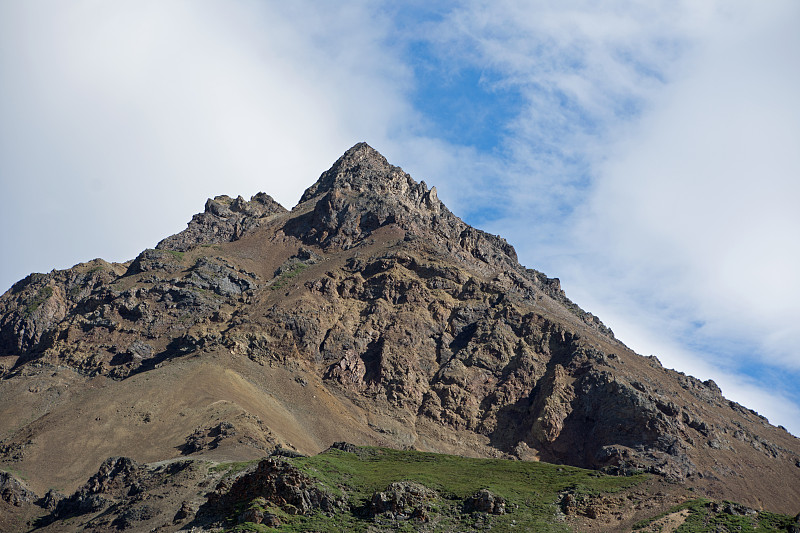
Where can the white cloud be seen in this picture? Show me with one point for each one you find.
(579, 68)
(119, 119)
(699, 201)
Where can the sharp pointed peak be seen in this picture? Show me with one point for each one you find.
(362, 150)
(360, 168)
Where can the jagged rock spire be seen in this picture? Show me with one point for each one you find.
(362, 191)
(362, 168)
(224, 219)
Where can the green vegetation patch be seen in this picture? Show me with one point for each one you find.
(176, 254)
(284, 278)
(727, 516)
(707, 516)
(531, 490)
(231, 468)
(41, 296)
(249, 526)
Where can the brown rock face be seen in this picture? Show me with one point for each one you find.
(368, 313)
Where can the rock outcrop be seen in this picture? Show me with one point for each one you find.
(224, 220)
(484, 501)
(14, 491)
(402, 500)
(279, 484)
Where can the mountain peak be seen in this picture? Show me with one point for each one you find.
(369, 312)
(362, 150)
(361, 168)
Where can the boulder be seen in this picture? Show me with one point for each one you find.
(484, 501)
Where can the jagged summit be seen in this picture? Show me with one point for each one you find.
(358, 194)
(362, 169)
(362, 192)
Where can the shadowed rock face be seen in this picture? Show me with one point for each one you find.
(393, 322)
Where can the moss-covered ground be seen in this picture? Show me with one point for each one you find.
(725, 517)
(531, 490)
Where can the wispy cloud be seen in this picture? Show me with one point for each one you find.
(701, 192)
(578, 70)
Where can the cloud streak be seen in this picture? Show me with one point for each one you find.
(698, 197)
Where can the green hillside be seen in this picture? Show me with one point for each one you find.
(381, 489)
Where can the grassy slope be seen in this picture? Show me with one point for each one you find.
(705, 515)
(531, 489)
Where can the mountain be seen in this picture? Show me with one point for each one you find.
(370, 314)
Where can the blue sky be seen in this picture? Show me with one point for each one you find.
(643, 152)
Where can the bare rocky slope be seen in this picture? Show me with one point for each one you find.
(368, 313)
